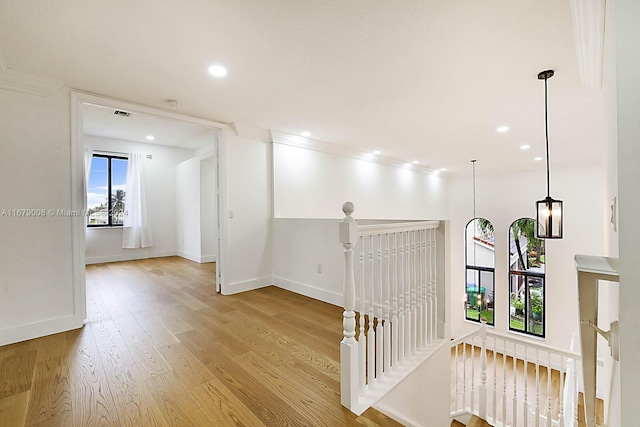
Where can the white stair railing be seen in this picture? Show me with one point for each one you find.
(392, 296)
(519, 391)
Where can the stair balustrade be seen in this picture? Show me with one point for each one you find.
(390, 303)
(513, 387)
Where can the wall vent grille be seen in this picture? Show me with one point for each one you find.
(121, 113)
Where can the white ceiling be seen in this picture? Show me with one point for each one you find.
(419, 80)
(100, 121)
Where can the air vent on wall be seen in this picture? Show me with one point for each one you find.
(121, 113)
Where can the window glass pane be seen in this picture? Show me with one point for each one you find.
(118, 188)
(97, 203)
(480, 243)
(480, 263)
(526, 278)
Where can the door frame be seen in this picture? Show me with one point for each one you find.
(78, 194)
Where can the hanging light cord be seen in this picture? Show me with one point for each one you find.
(473, 165)
(546, 132)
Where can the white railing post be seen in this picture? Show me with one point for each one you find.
(482, 401)
(349, 346)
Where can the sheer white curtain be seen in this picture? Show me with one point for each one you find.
(137, 229)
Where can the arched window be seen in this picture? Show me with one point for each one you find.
(526, 278)
(480, 270)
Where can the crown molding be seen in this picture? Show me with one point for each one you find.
(27, 83)
(340, 150)
(251, 132)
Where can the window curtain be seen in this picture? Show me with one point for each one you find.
(136, 232)
(88, 157)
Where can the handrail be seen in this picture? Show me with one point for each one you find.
(398, 227)
(465, 337)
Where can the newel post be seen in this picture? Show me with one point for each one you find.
(482, 411)
(349, 345)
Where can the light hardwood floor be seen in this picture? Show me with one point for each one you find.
(161, 348)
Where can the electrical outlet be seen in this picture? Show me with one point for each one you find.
(319, 268)
(231, 213)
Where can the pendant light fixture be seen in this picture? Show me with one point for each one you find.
(548, 211)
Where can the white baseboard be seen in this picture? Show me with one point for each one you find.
(396, 416)
(128, 257)
(309, 291)
(40, 329)
(247, 285)
(201, 259)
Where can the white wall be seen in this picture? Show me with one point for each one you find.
(423, 398)
(105, 244)
(36, 281)
(188, 209)
(312, 184)
(208, 210)
(247, 170)
(628, 102)
(581, 190)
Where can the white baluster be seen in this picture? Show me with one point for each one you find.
(561, 414)
(504, 384)
(414, 282)
(495, 379)
(435, 286)
(574, 393)
(425, 297)
(348, 234)
(362, 340)
(526, 399)
(464, 375)
(387, 325)
(456, 407)
(537, 390)
(407, 298)
(482, 398)
(401, 285)
(549, 373)
(420, 315)
(371, 335)
(380, 325)
(515, 388)
(473, 373)
(395, 356)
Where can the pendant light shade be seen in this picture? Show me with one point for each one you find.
(548, 211)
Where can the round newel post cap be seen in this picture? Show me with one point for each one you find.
(348, 209)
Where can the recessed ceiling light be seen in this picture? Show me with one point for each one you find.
(443, 169)
(377, 152)
(306, 134)
(502, 129)
(436, 172)
(217, 71)
(525, 147)
(150, 137)
(415, 162)
(537, 159)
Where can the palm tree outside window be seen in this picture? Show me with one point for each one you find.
(480, 271)
(106, 193)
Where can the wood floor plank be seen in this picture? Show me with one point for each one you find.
(93, 404)
(136, 406)
(51, 346)
(13, 409)
(50, 397)
(16, 372)
(189, 369)
(175, 402)
(222, 406)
